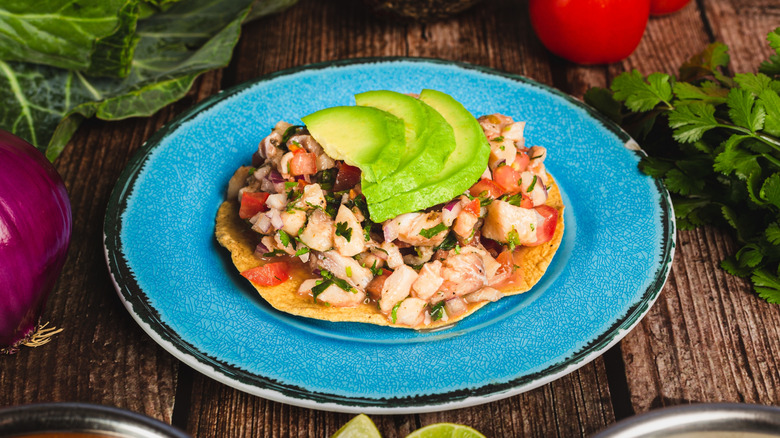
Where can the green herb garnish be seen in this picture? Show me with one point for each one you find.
(430, 232)
(284, 238)
(394, 312)
(531, 186)
(344, 230)
(713, 138)
(513, 238)
(437, 311)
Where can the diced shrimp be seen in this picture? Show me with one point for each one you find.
(411, 225)
(490, 264)
(502, 150)
(375, 286)
(269, 147)
(345, 268)
(462, 274)
(507, 223)
(397, 287)
(537, 154)
(281, 128)
(464, 224)
(294, 220)
(312, 197)
(348, 235)
(391, 254)
(422, 255)
(428, 280)
(284, 165)
(513, 131)
(533, 186)
(455, 307)
(487, 293)
(493, 123)
(277, 201)
(411, 312)
(318, 234)
(334, 295)
(310, 144)
(338, 297)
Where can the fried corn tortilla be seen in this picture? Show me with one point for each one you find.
(235, 234)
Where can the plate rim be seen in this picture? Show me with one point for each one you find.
(133, 297)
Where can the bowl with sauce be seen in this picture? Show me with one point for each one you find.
(703, 420)
(80, 420)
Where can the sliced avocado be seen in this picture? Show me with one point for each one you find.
(371, 139)
(429, 141)
(463, 168)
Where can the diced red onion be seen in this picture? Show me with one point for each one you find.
(390, 230)
(260, 250)
(276, 219)
(263, 223)
(451, 212)
(275, 177)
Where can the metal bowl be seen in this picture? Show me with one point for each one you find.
(28, 420)
(710, 420)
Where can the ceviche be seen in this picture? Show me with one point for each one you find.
(402, 210)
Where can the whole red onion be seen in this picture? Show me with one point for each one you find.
(35, 228)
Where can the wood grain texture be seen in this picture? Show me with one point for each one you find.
(708, 337)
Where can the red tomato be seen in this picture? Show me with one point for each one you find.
(521, 162)
(348, 177)
(472, 207)
(486, 185)
(270, 274)
(303, 163)
(507, 177)
(508, 272)
(663, 7)
(590, 31)
(546, 228)
(252, 203)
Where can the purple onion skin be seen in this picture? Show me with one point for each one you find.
(35, 229)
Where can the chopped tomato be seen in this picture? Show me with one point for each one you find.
(472, 207)
(521, 162)
(546, 228)
(303, 163)
(486, 185)
(348, 177)
(509, 272)
(252, 203)
(508, 178)
(270, 274)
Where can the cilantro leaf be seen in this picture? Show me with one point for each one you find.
(743, 111)
(770, 190)
(706, 64)
(736, 160)
(641, 95)
(691, 121)
(707, 91)
(770, 102)
(430, 232)
(771, 67)
(772, 233)
(767, 285)
(344, 230)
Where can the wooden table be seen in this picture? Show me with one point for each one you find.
(708, 338)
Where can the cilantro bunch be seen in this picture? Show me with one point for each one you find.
(714, 139)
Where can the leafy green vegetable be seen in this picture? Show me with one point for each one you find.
(154, 60)
(714, 140)
(430, 232)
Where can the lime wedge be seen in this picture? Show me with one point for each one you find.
(358, 427)
(445, 430)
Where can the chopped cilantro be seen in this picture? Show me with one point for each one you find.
(430, 232)
(394, 312)
(499, 138)
(376, 271)
(513, 238)
(449, 242)
(515, 200)
(289, 132)
(343, 230)
(349, 271)
(337, 281)
(320, 288)
(284, 238)
(457, 249)
(302, 250)
(531, 186)
(290, 184)
(274, 253)
(437, 311)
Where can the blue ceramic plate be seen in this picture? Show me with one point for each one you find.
(180, 286)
